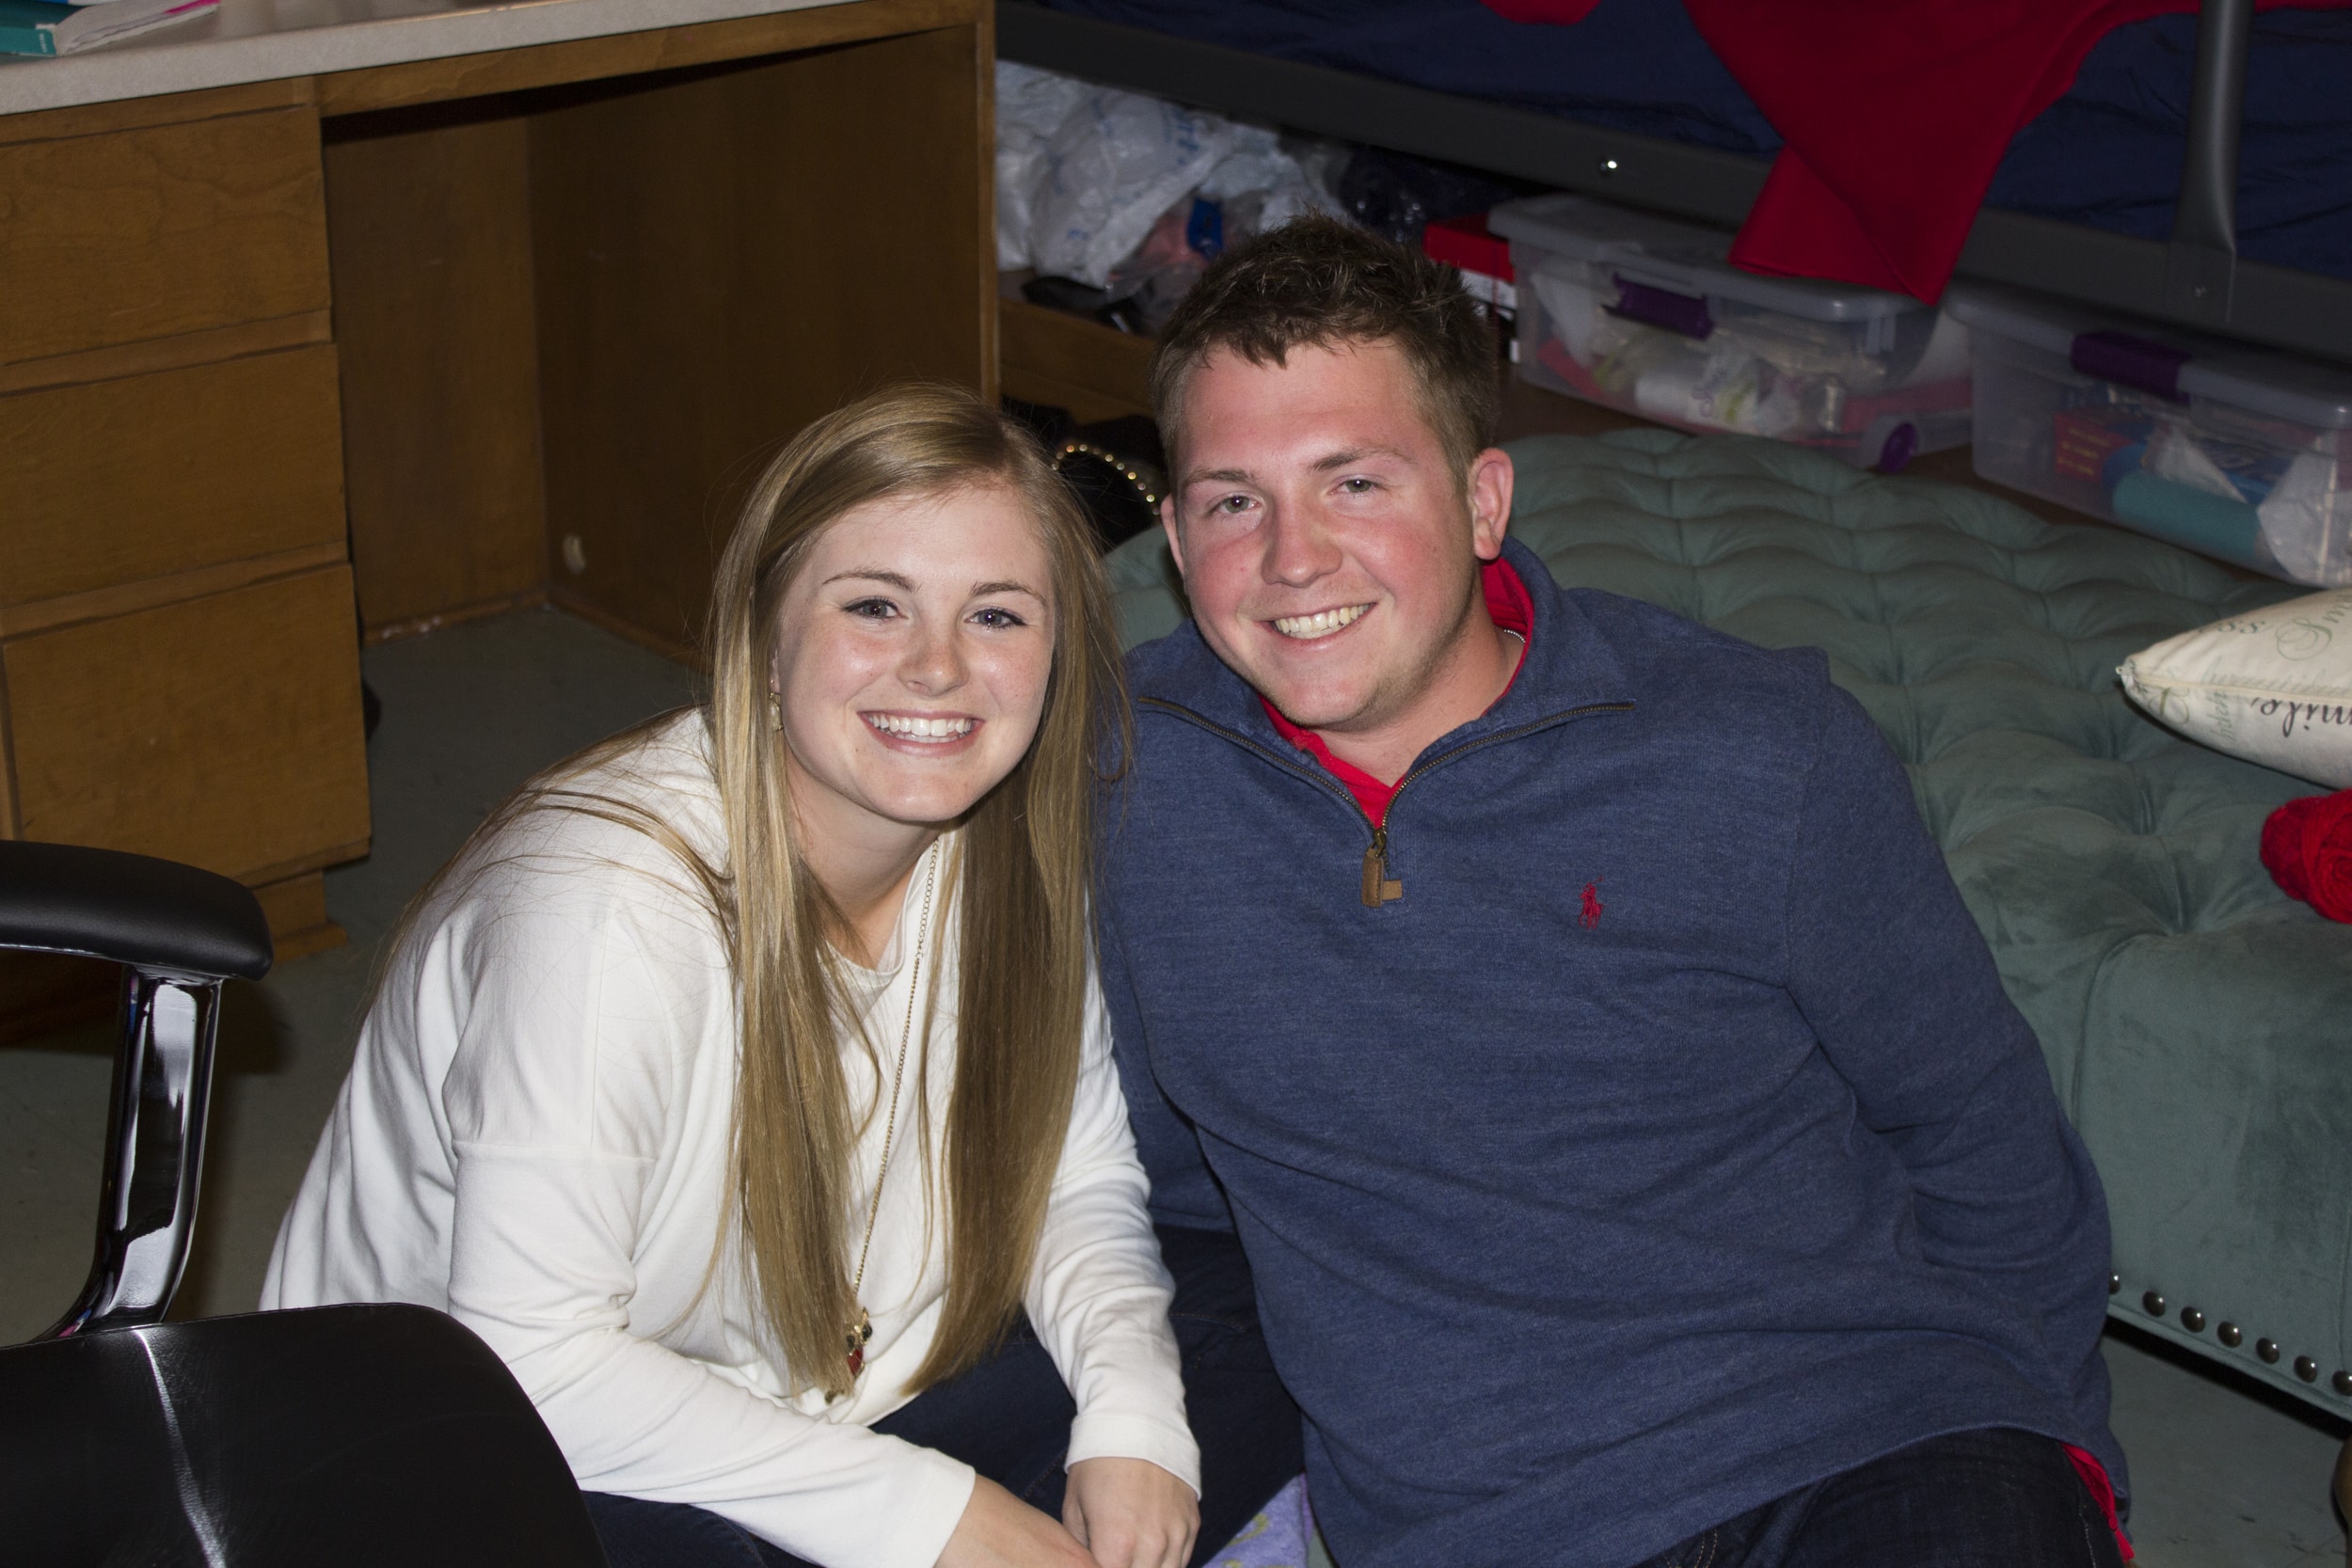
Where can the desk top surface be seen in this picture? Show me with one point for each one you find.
(260, 41)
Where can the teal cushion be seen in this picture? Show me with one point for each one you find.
(2197, 1024)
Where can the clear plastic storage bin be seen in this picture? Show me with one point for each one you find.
(1647, 314)
(2233, 452)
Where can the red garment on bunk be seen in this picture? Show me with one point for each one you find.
(2307, 849)
(1894, 117)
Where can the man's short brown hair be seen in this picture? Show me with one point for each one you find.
(1321, 283)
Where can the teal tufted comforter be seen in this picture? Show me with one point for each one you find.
(2197, 1024)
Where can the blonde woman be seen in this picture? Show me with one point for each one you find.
(745, 1078)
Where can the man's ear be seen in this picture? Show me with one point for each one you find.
(1168, 525)
(1491, 482)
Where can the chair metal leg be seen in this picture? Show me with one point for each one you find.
(154, 1153)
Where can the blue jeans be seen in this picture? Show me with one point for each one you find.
(1009, 1419)
(1994, 1499)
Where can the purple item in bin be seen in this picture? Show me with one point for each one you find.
(1646, 302)
(1901, 446)
(1277, 1537)
(2140, 362)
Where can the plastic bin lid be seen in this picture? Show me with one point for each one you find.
(2264, 381)
(1685, 257)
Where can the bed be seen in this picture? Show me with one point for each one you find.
(2193, 1017)
(2198, 172)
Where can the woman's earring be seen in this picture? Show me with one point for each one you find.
(776, 710)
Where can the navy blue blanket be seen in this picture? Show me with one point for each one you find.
(2107, 155)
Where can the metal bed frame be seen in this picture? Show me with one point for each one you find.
(2195, 279)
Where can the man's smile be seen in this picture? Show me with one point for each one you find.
(1323, 623)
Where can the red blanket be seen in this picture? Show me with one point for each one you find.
(2307, 849)
(1895, 115)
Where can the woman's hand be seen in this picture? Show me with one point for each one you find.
(1130, 1514)
(999, 1530)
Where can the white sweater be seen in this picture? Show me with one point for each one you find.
(535, 1138)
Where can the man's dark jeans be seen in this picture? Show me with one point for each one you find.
(1009, 1418)
(1995, 1498)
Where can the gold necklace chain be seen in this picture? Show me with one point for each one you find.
(861, 1331)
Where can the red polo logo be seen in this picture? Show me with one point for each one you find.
(1590, 916)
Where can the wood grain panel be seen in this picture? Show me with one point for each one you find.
(724, 255)
(429, 231)
(156, 474)
(126, 598)
(297, 911)
(223, 731)
(984, 174)
(172, 108)
(1085, 404)
(147, 233)
(1086, 362)
(167, 353)
(634, 54)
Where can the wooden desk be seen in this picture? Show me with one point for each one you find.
(378, 345)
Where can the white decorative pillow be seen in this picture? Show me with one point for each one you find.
(2274, 687)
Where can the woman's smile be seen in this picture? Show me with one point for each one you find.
(924, 731)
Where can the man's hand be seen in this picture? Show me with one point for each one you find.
(1130, 1514)
(999, 1530)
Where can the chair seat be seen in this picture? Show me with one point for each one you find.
(353, 1436)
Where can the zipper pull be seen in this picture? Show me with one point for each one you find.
(1378, 887)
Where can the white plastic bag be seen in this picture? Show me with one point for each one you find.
(1083, 173)
(1263, 186)
(1117, 164)
(1031, 105)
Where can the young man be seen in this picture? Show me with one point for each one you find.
(1637, 1156)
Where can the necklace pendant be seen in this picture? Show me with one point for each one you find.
(861, 1334)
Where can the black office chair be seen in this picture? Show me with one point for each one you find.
(345, 1435)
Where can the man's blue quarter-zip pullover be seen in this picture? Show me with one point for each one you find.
(1667, 1146)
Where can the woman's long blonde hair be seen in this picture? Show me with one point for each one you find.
(1024, 872)
(1026, 860)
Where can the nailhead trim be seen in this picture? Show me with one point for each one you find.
(2266, 1349)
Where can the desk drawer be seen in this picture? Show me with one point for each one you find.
(124, 481)
(222, 731)
(147, 234)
